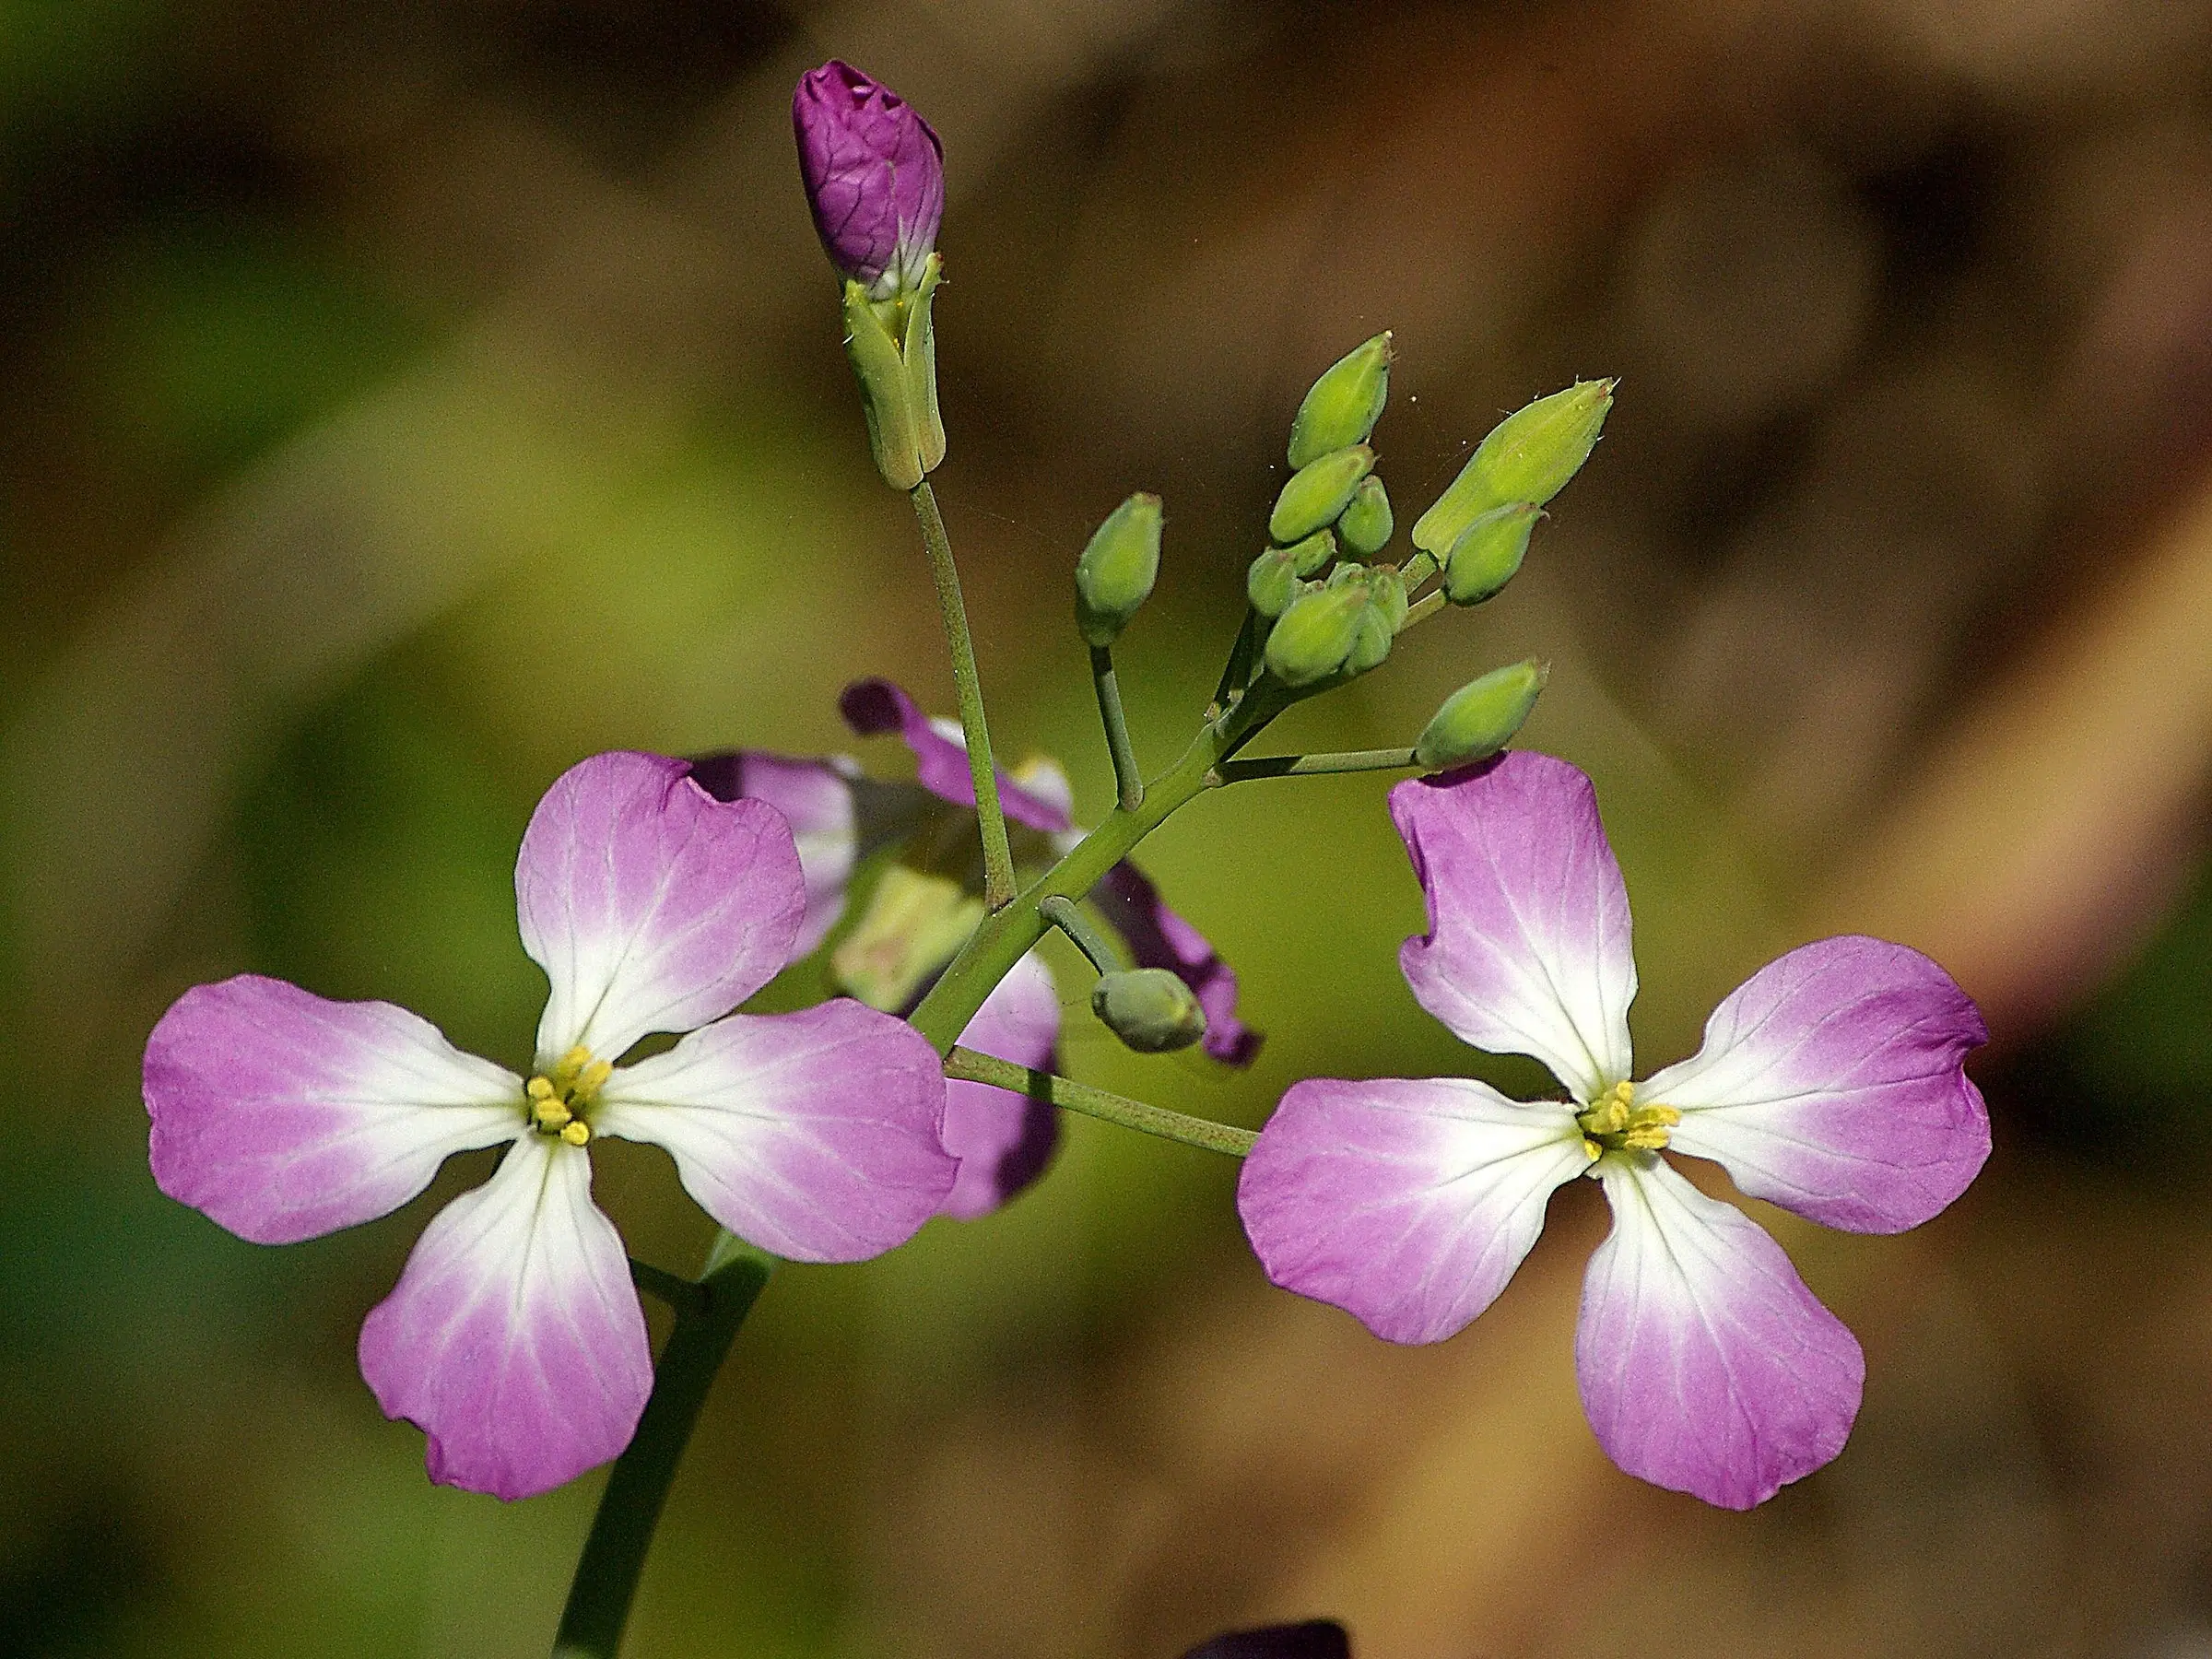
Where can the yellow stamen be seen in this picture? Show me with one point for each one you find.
(540, 1089)
(576, 1132)
(589, 1080)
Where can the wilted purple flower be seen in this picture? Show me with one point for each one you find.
(513, 1337)
(874, 176)
(1830, 1083)
(1003, 1140)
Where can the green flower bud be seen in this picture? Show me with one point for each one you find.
(1115, 573)
(1371, 637)
(1317, 492)
(1311, 638)
(1529, 457)
(1309, 557)
(1272, 583)
(1481, 717)
(1386, 593)
(1489, 552)
(892, 345)
(1367, 524)
(1149, 1009)
(1345, 403)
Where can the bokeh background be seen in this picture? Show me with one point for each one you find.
(402, 401)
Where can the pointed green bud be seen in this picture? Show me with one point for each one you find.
(1345, 403)
(1115, 573)
(1149, 1009)
(1272, 583)
(892, 347)
(1311, 638)
(1371, 637)
(1529, 457)
(1367, 524)
(1489, 552)
(1317, 492)
(1309, 557)
(1481, 717)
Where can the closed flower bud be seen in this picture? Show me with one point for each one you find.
(875, 177)
(1367, 524)
(1345, 403)
(1148, 1008)
(1311, 640)
(1115, 573)
(1481, 717)
(1489, 552)
(1272, 583)
(1528, 457)
(1371, 637)
(1317, 492)
(1312, 556)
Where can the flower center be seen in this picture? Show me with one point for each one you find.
(1614, 1123)
(559, 1096)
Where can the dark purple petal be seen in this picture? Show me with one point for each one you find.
(1157, 937)
(815, 799)
(1321, 1639)
(1407, 1203)
(874, 172)
(283, 1115)
(1830, 1083)
(1705, 1364)
(651, 905)
(812, 1135)
(1003, 1139)
(1528, 949)
(872, 707)
(514, 1339)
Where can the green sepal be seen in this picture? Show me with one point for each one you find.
(1489, 552)
(1528, 456)
(1149, 1009)
(921, 355)
(1312, 556)
(1481, 717)
(1366, 524)
(1345, 403)
(1317, 493)
(1272, 582)
(1117, 568)
(886, 390)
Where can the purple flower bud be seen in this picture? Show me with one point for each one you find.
(874, 176)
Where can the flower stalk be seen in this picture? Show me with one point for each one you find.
(966, 1065)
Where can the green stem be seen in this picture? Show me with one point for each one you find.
(1238, 669)
(681, 1294)
(614, 1555)
(1129, 782)
(1067, 916)
(967, 1066)
(1423, 609)
(1417, 569)
(968, 688)
(1304, 766)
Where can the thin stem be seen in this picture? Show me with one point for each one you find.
(1417, 569)
(968, 688)
(1128, 782)
(1067, 916)
(1423, 609)
(614, 1555)
(681, 1294)
(967, 1066)
(1306, 766)
(1238, 669)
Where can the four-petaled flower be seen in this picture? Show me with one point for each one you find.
(515, 1338)
(1829, 1083)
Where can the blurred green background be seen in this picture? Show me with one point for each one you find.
(402, 401)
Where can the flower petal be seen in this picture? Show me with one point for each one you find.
(1004, 1140)
(1705, 1363)
(1157, 937)
(651, 905)
(812, 1135)
(1407, 1203)
(513, 1339)
(283, 1115)
(815, 799)
(1830, 1083)
(1527, 950)
(874, 706)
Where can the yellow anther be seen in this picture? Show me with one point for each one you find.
(575, 1132)
(550, 1113)
(1645, 1137)
(1592, 1150)
(1663, 1114)
(540, 1089)
(588, 1082)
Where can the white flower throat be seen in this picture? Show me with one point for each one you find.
(1614, 1123)
(559, 1098)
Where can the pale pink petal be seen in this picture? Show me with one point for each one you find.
(1705, 1363)
(1407, 1203)
(816, 798)
(1004, 1139)
(514, 1339)
(814, 1134)
(1157, 937)
(651, 905)
(874, 706)
(283, 1115)
(1831, 1082)
(1527, 950)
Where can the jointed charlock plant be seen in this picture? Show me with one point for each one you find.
(659, 894)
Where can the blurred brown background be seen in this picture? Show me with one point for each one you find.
(402, 401)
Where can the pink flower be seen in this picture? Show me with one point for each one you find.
(874, 176)
(513, 1337)
(1830, 1083)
